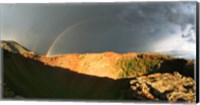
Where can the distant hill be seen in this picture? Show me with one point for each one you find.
(14, 47)
(95, 75)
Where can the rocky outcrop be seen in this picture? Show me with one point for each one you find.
(163, 87)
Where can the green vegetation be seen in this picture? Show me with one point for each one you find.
(158, 56)
(82, 57)
(142, 64)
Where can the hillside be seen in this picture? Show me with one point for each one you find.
(116, 66)
(14, 47)
(90, 76)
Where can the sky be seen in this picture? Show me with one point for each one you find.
(161, 27)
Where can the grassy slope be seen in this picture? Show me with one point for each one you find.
(145, 64)
(33, 79)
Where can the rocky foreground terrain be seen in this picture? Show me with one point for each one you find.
(108, 75)
(166, 86)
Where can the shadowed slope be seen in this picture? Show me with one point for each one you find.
(33, 79)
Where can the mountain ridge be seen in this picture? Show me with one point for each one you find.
(97, 64)
(108, 75)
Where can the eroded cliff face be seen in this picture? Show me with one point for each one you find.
(97, 76)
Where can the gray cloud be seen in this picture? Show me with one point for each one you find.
(119, 27)
(165, 16)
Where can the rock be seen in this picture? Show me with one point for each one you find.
(163, 87)
(10, 93)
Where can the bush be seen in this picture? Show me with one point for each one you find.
(81, 57)
(141, 65)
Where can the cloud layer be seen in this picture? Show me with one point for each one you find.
(127, 27)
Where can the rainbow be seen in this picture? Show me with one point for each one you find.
(36, 45)
(67, 29)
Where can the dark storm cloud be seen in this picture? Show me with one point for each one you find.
(94, 27)
(28, 23)
(160, 16)
(162, 21)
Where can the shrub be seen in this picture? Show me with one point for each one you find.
(137, 66)
(81, 57)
